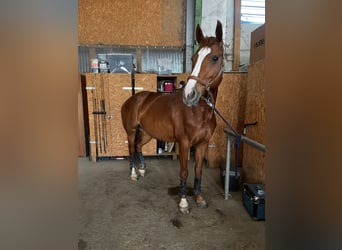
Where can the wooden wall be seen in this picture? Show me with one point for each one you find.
(131, 22)
(107, 93)
(253, 159)
(231, 104)
(241, 100)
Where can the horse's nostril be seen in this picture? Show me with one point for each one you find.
(192, 95)
(192, 98)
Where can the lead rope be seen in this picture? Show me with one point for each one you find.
(212, 106)
(237, 136)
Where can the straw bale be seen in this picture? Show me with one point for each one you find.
(231, 104)
(253, 159)
(133, 22)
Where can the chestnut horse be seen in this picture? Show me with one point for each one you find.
(183, 117)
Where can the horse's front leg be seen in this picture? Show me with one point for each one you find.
(183, 159)
(200, 150)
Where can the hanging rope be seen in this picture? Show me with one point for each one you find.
(211, 105)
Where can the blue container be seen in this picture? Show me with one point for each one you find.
(253, 199)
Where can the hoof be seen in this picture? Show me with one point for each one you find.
(184, 210)
(142, 172)
(134, 176)
(184, 206)
(201, 202)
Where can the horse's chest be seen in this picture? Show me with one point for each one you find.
(202, 129)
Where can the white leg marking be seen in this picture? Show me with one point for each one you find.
(184, 205)
(191, 83)
(134, 176)
(141, 172)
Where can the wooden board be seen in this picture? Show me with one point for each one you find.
(107, 92)
(81, 128)
(119, 91)
(147, 82)
(253, 160)
(131, 22)
(231, 104)
(90, 86)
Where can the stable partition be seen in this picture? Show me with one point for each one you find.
(105, 94)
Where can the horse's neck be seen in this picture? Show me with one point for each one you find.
(214, 93)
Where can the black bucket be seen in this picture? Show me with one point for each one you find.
(234, 179)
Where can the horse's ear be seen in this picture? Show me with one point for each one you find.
(218, 31)
(199, 34)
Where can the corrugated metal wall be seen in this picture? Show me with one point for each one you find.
(169, 59)
(151, 57)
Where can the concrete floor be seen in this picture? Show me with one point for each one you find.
(117, 213)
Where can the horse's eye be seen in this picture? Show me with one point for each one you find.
(214, 58)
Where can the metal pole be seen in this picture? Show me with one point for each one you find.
(245, 139)
(253, 143)
(226, 182)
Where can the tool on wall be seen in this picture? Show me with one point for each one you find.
(99, 112)
(246, 125)
(103, 112)
(94, 108)
(98, 119)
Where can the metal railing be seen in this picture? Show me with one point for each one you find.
(248, 141)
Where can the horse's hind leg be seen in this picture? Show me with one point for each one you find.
(129, 114)
(141, 139)
(131, 149)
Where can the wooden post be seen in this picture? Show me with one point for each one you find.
(237, 35)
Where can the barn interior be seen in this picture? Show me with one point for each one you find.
(57, 194)
(150, 48)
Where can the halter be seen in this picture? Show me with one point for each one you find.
(207, 86)
(210, 100)
(204, 83)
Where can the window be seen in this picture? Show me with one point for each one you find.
(253, 11)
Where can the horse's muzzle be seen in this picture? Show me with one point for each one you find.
(192, 98)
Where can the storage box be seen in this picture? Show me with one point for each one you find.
(257, 51)
(253, 199)
(120, 63)
(168, 86)
(234, 179)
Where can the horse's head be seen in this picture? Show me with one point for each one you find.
(207, 65)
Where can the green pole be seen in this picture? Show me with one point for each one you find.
(198, 19)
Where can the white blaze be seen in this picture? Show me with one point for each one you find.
(191, 82)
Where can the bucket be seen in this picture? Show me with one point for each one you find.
(94, 65)
(234, 180)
